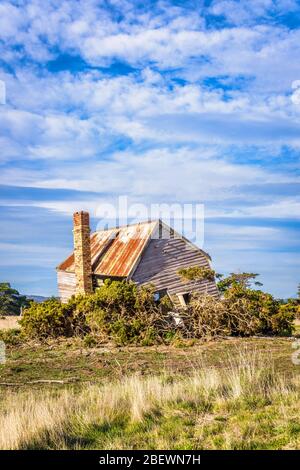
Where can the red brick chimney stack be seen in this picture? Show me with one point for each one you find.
(82, 252)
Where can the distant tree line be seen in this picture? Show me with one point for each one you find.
(11, 301)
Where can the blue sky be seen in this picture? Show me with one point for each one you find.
(163, 101)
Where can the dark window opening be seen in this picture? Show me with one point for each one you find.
(187, 298)
(159, 295)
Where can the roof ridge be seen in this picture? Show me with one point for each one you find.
(120, 227)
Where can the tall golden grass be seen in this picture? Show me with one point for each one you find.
(59, 419)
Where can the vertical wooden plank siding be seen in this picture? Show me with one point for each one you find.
(66, 285)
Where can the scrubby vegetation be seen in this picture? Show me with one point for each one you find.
(120, 311)
(242, 311)
(243, 405)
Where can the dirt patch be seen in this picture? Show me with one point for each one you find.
(6, 323)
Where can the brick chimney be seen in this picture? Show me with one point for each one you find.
(82, 252)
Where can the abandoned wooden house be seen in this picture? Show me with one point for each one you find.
(146, 253)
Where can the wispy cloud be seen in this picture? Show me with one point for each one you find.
(159, 101)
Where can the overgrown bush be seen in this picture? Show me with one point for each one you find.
(242, 311)
(118, 311)
(124, 313)
(259, 312)
(11, 337)
(50, 318)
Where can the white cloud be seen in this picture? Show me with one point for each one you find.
(295, 97)
(181, 175)
(242, 11)
(69, 122)
(67, 207)
(198, 102)
(165, 35)
(139, 107)
(284, 208)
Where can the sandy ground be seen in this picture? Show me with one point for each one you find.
(9, 322)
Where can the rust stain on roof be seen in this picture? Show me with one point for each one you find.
(67, 264)
(115, 252)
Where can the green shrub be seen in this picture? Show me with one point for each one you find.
(283, 320)
(298, 312)
(118, 311)
(122, 312)
(126, 314)
(124, 331)
(197, 273)
(267, 315)
(11, 337)
(89, 341)
(46, 319)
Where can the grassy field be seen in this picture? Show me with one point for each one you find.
(229, 394)
(70, 360)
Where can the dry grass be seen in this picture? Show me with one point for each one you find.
(246, 404)
(6, 323)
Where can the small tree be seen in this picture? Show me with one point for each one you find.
(11, 301)
(245, 280)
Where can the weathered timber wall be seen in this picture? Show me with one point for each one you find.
(66, 285)
(162, 259)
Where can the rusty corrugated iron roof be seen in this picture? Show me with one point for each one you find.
(115, 252)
